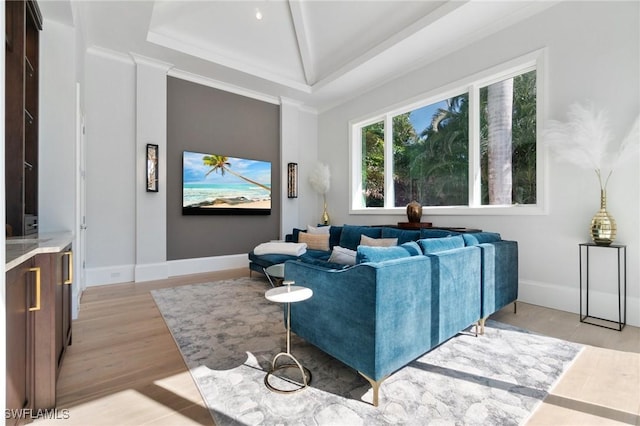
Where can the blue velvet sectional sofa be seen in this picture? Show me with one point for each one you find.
(397, 303)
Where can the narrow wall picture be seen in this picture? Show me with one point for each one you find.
(152, 168)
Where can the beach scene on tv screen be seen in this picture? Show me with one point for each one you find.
(215, 181)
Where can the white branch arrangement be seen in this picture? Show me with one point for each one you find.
(320, 178)
(586, 141)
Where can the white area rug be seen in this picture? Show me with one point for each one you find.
(228, 333)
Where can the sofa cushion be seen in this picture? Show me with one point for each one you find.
(435, 245)
(314, 241)
(334, 235)
(323, 263)
(343, 256)
(317, 254)
(378, 242)
(474, 238)
(350, 236)
(381, 254)
(402, 235)
(436, 233)
(266, 260)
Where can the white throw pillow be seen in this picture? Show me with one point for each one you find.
(318, 229)
(343, 256)
(378, 242)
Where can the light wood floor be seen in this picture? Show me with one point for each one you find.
(124, 367)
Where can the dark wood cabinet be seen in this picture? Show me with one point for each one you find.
(38, 317)
(21, 301)
(23, 24)
(52, 326)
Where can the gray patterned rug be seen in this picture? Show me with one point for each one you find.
(228, 333)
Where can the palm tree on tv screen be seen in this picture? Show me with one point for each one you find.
(221, 163)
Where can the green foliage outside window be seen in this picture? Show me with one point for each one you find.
(523, 140)
(431, 165)
(373, 164)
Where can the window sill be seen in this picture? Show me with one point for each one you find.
(514, 210)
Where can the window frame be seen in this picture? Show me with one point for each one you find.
(472, 84)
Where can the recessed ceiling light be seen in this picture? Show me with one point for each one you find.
(258, 14)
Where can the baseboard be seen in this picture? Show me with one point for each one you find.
(110, 275)
(157, 271)
(207, 264)
(602, 304)
(150, 272)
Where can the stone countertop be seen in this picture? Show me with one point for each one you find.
(19, 249)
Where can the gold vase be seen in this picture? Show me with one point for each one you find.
(603, 226)
(325, 214)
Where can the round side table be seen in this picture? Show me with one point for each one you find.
(288, 294)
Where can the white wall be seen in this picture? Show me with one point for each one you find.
(289, 153)
(593, 54)
(310, 203)
(299, 145)
(57, 152)
(151, 127)
(111, 167)
(57, 135)
(126, 226)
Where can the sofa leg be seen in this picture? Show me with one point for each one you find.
(515, 306)
(375, 385)
(481, 322)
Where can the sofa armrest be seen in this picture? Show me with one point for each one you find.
(499, 275)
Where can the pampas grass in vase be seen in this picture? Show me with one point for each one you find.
(320, 180)
(586, 140)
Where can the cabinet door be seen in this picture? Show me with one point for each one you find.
(20, 297)
(66, 268)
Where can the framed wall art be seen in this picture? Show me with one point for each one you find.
(214, 184)
(152, 167)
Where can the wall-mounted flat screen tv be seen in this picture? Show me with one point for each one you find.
(214, 184)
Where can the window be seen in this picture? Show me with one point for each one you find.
(508, 140)
(473, 147)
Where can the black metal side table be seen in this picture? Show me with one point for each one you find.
(622, 287)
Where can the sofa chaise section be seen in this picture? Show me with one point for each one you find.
(378, 317)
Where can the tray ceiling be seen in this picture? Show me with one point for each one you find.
(317, 52)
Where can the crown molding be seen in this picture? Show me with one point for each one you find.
(110, 54)
(145, 60)
(217, 84)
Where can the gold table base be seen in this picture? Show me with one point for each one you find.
(304, 372)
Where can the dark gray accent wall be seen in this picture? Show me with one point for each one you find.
(203, 119)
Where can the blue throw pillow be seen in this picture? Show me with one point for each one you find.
(403, 236)
(412, 247)
(381, 254)
(350, 236)
(474, 238)
(435, 245)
